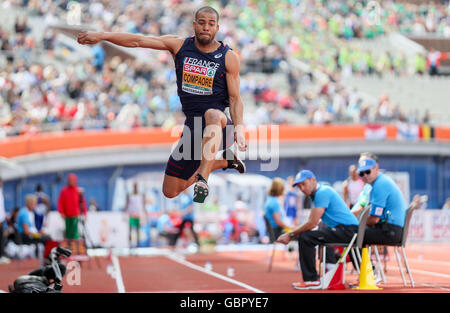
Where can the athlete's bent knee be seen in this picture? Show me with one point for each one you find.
(213, 116)
(170, 192)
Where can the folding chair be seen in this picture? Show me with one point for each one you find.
(352, 245)
(409, 212)
(272, 241)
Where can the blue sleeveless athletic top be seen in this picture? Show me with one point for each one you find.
(201, 78)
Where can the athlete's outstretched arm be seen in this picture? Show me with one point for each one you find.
(170, 43)
(236, 106)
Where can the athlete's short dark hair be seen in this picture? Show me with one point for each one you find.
(207, 9)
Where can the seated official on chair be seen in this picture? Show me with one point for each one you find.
(388, 208)
(25, 225)
(334, 213)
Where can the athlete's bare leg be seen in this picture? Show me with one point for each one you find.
(173, 186)
(215, 121)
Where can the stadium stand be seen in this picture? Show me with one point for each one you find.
(326, 42)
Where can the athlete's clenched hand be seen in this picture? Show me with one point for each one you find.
(240, 139)
(88, 38)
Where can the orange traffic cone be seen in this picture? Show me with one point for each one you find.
(366, 276)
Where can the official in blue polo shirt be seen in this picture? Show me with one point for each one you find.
(334, 213)
(363, 198)
(388, 207)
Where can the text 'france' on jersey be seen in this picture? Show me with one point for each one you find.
(201, 79)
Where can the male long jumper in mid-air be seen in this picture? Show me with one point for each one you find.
(208, 81)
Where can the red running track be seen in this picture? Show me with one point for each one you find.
(430, 264)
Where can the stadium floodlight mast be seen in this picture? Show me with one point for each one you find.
(261, 146)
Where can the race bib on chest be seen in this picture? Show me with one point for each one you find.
(198, 76)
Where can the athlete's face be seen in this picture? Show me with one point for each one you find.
(205, 27)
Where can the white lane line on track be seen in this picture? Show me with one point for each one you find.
(430, 262)
(201, 269)
(421, 272)
(434, 286)
(118, 274)
(398, 279)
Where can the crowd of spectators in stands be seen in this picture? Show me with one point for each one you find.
(116, 93)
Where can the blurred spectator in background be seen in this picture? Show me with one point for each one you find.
(292, 203)
(3, 258)
(231, 228)
(239, 218)
(446, 205)
(48, 41)
(12, 232)
(21, 25)
(153, 211)
(26, 227)
(434, 61)
(187, 215)
(99, 57)
(420, 64)
(71, 205)
(42, 207)
(135, 207)
(93, 206)
(166, 227)
(272, 207)
(240, 205)
(212, 205)
(352, 187)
